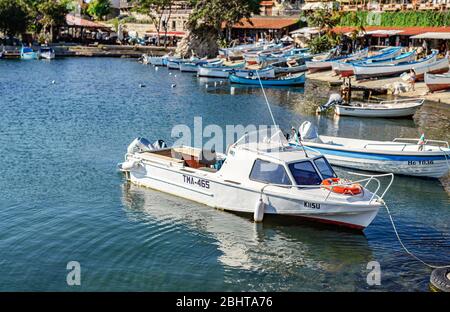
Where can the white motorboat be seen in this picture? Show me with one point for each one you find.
(382, 109)
(260, 174)
(47, 53)
(218, 71)
(415, 157)
(437, 82)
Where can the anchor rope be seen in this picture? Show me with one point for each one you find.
(406, 249)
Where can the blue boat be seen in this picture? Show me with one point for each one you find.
(27, 53)
(293, 80)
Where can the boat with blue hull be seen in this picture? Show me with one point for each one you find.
(414, 157)
(290, 80)
(27, 53)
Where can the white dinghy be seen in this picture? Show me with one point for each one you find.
(382, 109)
(415, 157)
(260, 174)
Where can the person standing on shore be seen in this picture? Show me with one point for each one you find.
(412, 79)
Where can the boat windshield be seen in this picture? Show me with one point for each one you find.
(325, 169)
(304, 172)
(263, 139)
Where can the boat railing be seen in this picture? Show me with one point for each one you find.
(437, 142)
(366, 181)
(419, 100)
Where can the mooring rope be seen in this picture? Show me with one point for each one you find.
(406, 249)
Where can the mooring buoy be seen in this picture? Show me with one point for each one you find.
(173, 85)
(440, 279)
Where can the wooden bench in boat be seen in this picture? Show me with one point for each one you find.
(185, 156)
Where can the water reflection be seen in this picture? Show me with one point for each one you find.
(269, 247)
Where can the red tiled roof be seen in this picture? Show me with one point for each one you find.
(266, 23)
(266, 3)
(73, 20)
(405, 31)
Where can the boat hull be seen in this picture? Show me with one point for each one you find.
(431, 166)
(294, 81)
(214, 72)
(237, 198)
(437, 82)
(380, 113)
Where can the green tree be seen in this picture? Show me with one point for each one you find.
(159, 13)
(215, 14)
(325, 19)
(52, 13)
(99, 8)
(14, 17)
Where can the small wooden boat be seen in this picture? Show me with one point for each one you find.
(260, 175)
(158, 60)
(47, 53)
(387, 70)
(326, 64)
(27, 53)
(218, 71)
(289, 80)
(294, 65)
(439, 67)
(383, 109)
(415, 157)
(345, 68)
(192, 67)
(268, 72)
(437, 82)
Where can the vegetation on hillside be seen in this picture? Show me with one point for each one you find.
(400, 19)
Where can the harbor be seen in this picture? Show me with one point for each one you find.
(286, 147)
(73, 137)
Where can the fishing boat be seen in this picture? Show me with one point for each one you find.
(382, 109)
(387, 70)
(218, 71)
(261, 175)
(326, 64)
(437, 82)
(47, 53)
(414, 157)
(287, 80)
(268, 72)
(158, 60)
(293, 65)
(192, 67)
(345, 68)
(27, 53)
(439, 67)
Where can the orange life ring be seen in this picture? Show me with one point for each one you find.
(351, 189)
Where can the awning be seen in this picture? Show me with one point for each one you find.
(169, 33)
(266, 3)
(383, 32)
(317, 5)
(305, 31)
(265, 23)
(433, 35)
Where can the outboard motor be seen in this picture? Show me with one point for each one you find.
(159, 144)
(308, 132)
(140, 145)
(334, 99)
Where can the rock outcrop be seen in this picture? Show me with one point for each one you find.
(202, 42)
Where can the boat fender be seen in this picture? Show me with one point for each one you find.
(258, 214)
(129, 164)
(440, 279)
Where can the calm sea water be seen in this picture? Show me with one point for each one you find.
(61, 198)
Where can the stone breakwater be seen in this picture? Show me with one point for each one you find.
(110, 51)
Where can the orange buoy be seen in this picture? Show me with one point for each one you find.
(335, 185)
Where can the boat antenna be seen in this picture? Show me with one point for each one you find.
(267, 101)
